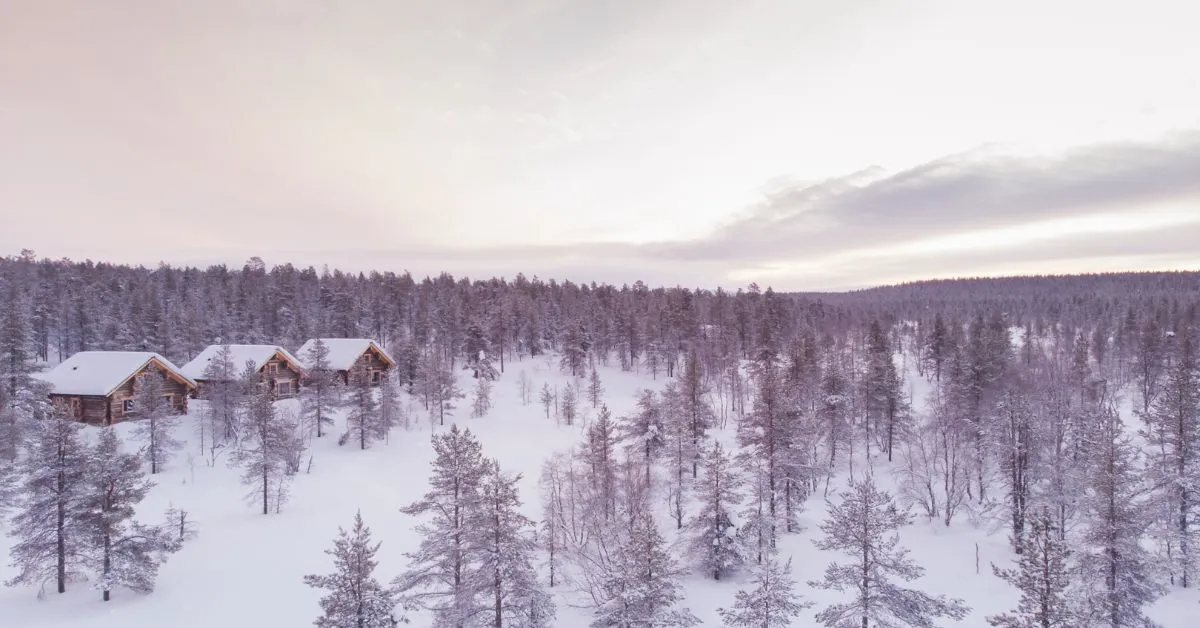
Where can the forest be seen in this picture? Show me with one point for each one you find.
(1061, 412)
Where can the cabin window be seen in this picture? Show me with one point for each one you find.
(375, 377)
(285, 388)
(127, 406)
(273, 368)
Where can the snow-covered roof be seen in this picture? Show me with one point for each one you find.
(239, 355)
(100, 373)
(342, 352)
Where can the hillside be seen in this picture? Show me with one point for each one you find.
(245, 568)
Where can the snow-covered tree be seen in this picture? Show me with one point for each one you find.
(643, 589)
(863, 526)
(772, 603)
(524, 387)
(1042, 576)
(439, 386)
(569, 406)
(321, 393)
(354, 598)
(481, 400)
(364, 423)
(391, 413)
(121, 551)
(595, 388)
(712, 542)
(503, 540)
(599, 453)
(1115, 573)
(438, 577)
(546, 397)
(269, 440)
(48, 526)
(1173, 437)
(156, 421)
(643, 432)
(222, 391)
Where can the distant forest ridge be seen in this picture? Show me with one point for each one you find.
(68, 306)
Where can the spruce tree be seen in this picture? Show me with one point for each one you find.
(1042, 576)
(263, 456)
(354, 598)
(321, 394)
(595, 387)
(481, 401)
(864, 527)
(364, 422)
(49, 524)
(121, 551)
(712, 543)
(1117, 578)
(438, 577)
(642, 588)
(1173, 435)
(772, 603)
(155, 421)
(503, 540)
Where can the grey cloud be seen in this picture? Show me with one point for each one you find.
(957, 193)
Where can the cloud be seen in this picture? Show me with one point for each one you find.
(965, 192)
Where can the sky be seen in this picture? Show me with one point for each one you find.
(800, 144)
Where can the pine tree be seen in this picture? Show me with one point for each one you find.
(482, 400)
(595, 388)
(156, 421)
(48, 525)
(772, 603)
(510, 594)
(223, 393)
(643, 587)
(569, 405)
(364, 422)
(264, 454)
(438, 576)
(711, 531)
(547, 398)
(321, 394)
(864, 526)
(1117, 581)
(121, 551)
(1042, 576)
(1173, 435)
(16, 342)
(696, 410)
(355, 599)
(599, 454)
(643, 432)
(391, 413)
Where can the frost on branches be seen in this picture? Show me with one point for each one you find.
(264, 455)
(772, 603)
(155, 421)
(437, 578)
(355, 599)
(642, 587)
(864, 526)
(1042, 576)
(712, 543)
(121, 551)
(49, 524)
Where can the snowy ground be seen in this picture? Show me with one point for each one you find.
(245, 568)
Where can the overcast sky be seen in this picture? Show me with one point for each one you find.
(800, 144)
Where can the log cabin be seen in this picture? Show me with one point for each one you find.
(278, 369)
(344, 353)
(98, 387)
